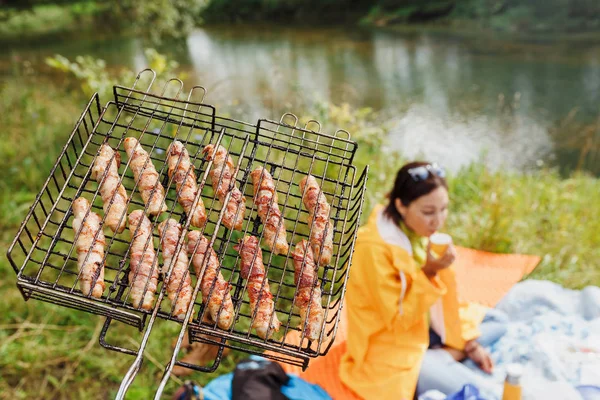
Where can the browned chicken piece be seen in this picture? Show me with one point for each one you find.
(106, 172)
(90, 252)
(219, 304)
(146, 177)
(265, 198)
(222, 178)
(178, 281)
(182, 172)
(307, 280)
(318, 219)
(262, 306)
(143, 266)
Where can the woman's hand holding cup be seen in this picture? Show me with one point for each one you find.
(440, 254)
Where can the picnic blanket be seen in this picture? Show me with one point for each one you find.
(555, 334)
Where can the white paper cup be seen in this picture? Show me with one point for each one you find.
(439, 243)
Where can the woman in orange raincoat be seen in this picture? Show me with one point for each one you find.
(398, 291)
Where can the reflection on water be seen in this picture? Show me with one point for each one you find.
(457, 140)
(450, 99)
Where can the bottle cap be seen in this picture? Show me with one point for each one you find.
(514, 372)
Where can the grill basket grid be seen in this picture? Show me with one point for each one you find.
(43, 256)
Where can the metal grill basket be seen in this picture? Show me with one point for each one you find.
(43, 252)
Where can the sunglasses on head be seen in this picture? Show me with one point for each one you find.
(422, 173)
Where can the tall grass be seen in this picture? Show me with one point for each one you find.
(49, 352)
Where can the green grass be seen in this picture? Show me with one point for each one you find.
(539, 213)
(49, 352)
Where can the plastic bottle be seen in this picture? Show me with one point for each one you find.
(512, 384)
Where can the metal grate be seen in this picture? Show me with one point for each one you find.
(43, 255)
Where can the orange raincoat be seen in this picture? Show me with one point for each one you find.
(388, 301)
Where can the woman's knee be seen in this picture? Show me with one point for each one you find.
(495, 315)
(493, 327)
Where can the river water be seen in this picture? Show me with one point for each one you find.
(449, 98)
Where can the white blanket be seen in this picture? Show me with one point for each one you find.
(555, 334)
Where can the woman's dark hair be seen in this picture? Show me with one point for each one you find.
(409, 186)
